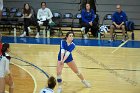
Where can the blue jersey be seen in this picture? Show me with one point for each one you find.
(66, 47)
(118, 18)
(88, 16)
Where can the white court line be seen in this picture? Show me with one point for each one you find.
(120, 46)
(29, 74)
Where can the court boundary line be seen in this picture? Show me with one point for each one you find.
(36, 67)
(99, 68)
(35, 83)
(119, 46)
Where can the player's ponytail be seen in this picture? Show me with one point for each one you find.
(5, 46)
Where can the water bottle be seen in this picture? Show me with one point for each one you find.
(48, 33)
(99, 35)
(132, 36)
(44, 33)
(14, 32)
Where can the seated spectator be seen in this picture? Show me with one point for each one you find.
(44, 16)
(50, 86)
(118, 18)
(29, 19)
(88, 21)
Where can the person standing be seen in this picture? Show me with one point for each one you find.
(5, 75)
(65, 56)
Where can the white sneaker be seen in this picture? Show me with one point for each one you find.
(59, 90)
(83, 29)
(110, 40)
(6, 92)
(85, 36)
(40, 23)
(29, 29)
(23, 35)
(87, 85)
(123, 40)
(37, 35)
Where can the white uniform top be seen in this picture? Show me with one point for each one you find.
(46, 90)
(4, 65)
(1, 5)
(44, 14)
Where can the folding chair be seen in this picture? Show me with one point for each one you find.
(56, 19)
(66, 22)
(76, 24)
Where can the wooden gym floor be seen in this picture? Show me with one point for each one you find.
(108, 69)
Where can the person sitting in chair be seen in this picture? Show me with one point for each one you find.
(118, 18)
(88, 21)
(44, 16)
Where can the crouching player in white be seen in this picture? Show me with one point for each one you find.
(5, 76)
(65, 56)
(50, 86)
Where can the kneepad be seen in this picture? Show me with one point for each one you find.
(59, 79)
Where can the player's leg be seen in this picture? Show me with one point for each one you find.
(59, 78)
(123, 31)
(9, 81)
(74, 68)
(2, 85)
(112, 27)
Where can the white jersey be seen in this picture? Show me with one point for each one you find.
(46, 90)
(44, 14)
(1, 5)
(4, 66)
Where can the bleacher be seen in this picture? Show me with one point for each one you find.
(62, 7)
(74, 6)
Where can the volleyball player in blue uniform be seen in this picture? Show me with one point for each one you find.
(65, 56)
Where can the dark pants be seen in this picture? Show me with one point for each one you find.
(28, 22)
(94, 28)
(45, 23)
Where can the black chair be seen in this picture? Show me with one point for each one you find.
(4, 20)
(13, 10)
(56, 19)
(66, 22)
(4, 9)
(13, 18)
(107, 20)
(76, 24)
(18, 20)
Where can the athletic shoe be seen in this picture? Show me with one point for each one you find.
(59, 90)
(40, 23)
(123, 40)
(29, 29)
(111, 40)
(83, 29)
(23, 35)
(6, 92)
(87, 85)
(85, 36)
(37, 35)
